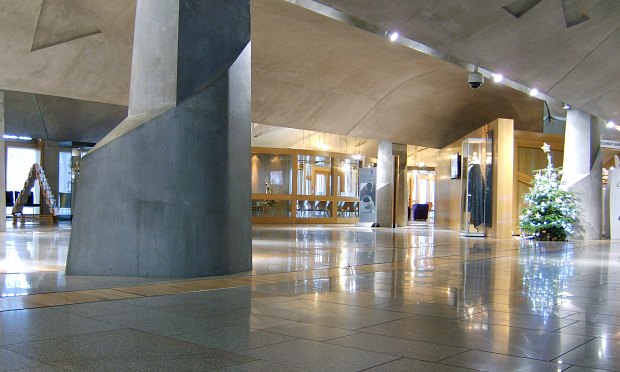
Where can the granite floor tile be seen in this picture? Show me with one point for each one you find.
(37, 324)
(599, 353)
(398, 346)
(245, 318)
(399, 295)
(590, 308)
(261, 366)
(11, 361)
(596, 318)
(158, 301)
(160, 322)
(122, 345)
(479, 336)
(233, 338)
(314, 355)
(422, 308)
(602, 330)
(40, 369)
(540, 323)
(94, 309)
(312, 332)
(345, 298)
(163, 364)
(409, 365)
(583, 369)
(328, 314)
(483, 361)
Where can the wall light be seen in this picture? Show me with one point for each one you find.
(498, 78)
(533, 92)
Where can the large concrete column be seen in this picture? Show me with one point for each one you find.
(167, 193)
(401, 201)
(583, 171)
(2, 162)
(391, 209)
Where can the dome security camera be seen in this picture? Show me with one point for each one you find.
(475, 80)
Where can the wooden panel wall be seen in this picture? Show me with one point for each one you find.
(448, 193)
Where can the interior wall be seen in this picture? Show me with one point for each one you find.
(448, 192)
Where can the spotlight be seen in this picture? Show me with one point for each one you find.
(498, 78)
(393, 36)
(533, 92)
(566, 106)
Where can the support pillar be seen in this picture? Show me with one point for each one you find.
(2, 163)
(391, 184)
(583, 172)
(167, 192)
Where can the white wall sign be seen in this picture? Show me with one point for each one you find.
(610, 144)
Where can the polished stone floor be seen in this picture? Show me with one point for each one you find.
(335, 298)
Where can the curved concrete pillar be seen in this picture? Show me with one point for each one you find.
(583, 172)
(167, 193)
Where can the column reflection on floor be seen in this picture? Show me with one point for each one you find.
(324, 297)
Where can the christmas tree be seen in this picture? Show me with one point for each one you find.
(551, 209)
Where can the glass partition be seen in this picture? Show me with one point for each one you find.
(347, 178)
(475, 184)
(314, 175)
(273, 172)
(271, 208)
(314, 208)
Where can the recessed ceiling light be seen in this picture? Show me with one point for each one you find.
(23, 138)
(498, 78)
(393, 36)
(533, 92)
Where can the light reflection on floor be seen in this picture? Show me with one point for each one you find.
(413, 298)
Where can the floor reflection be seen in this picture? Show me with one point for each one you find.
(407, 295)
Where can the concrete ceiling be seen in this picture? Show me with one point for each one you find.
(578, 65)
(44, 116)
(311, 72)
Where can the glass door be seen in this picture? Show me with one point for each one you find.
(19, 160)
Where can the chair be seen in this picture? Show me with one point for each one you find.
(307, 209)
(420, 211)
(300, 208)
(320, 209)
(339, 211)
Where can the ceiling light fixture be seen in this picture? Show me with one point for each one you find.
(533, 92)
(498, 78)
(23, 138)
(393, 36)
(566, 106)
(611, 124)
